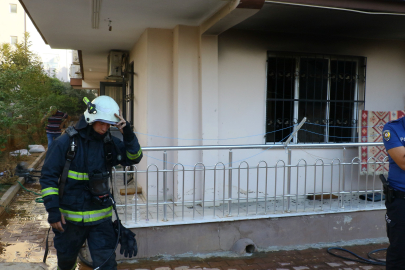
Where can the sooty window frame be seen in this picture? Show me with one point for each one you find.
(327, 89)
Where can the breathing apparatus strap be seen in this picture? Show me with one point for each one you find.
(108, 148)
(70, 155)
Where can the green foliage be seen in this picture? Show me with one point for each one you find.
(67, 99)
(27, 92)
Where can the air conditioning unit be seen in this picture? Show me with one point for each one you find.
(75, 71)
(115, 63)
(75, 58)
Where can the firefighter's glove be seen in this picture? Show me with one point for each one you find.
(54, 215)
(127, 239)
(128, 134)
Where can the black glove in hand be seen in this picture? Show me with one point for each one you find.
(128, 243)
(127, 239)
(128, 134)
(54, 215)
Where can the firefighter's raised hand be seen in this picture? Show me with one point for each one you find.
(122, 123)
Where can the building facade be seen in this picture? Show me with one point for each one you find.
(13, 22)
(241, 73)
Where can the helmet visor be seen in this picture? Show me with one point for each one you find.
(105, 121)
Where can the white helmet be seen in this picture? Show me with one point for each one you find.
(101, 109)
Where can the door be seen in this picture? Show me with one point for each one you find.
(117, 91)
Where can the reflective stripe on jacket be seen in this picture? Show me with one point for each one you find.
(89, 216)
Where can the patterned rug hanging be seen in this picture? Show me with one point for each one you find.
(372, 124)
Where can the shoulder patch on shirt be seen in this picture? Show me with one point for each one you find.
(386, 135)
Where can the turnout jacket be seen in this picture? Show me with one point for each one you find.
(76, 204)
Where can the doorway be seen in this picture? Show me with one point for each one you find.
(117, 91)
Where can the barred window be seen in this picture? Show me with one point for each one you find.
(328, 90)
(13, 40)
(13, 8)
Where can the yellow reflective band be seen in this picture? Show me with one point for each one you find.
(137, 155)
(88, 216)
(78, 175)
(49, 191)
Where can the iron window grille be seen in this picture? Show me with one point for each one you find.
(327, 89)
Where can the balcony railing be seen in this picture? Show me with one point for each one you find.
(176, 193)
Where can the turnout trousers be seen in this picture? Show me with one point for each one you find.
(101, 239)
(395, 221)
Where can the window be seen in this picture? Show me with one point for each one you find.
(13, 8)
(13, 40)
(327, 90)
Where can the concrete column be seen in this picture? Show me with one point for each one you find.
(186, 101)
(153, 88)
(209, 113)
(159, 99)
(138, 55)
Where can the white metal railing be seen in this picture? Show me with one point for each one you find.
(226, 192)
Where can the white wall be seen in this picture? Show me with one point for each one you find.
(385, 69)
(242, 85)
(160, 86)
(211, 90)
(242, 78)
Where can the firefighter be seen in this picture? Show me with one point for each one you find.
(80, 205)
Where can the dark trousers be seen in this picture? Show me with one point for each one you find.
(101, 239)
(395, 220)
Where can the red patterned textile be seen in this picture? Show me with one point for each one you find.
(372, 124)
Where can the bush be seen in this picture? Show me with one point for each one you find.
(27, 92)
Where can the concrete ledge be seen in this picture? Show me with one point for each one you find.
(12, 191)
(267, 234)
